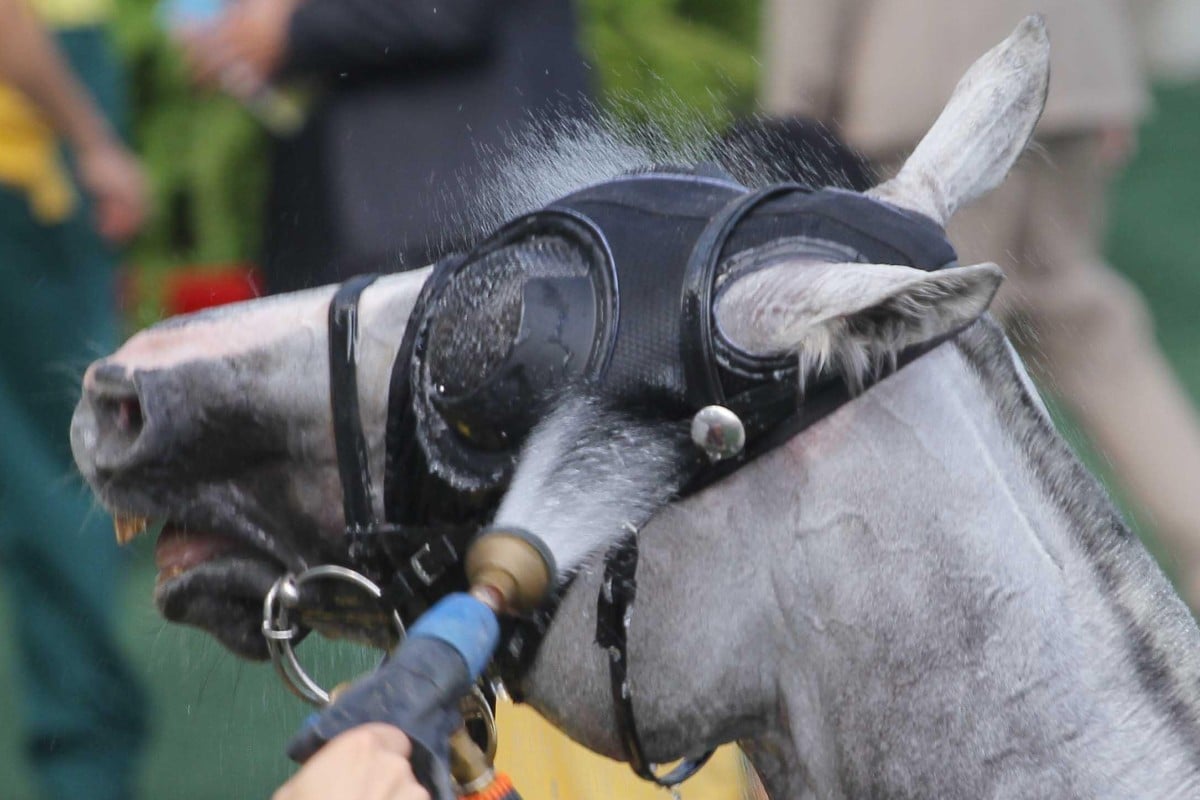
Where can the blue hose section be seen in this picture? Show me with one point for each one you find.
(464, 623)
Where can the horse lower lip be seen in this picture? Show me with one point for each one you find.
(222, 596)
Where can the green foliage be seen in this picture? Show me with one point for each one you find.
(207, 157)
(657, 57)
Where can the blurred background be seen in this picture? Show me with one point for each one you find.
(218, 724)
(208, 160)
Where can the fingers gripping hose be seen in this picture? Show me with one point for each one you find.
(417, 690)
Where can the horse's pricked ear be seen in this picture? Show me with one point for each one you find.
(981, 132)
(850, 318)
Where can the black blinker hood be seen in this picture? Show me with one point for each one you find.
(631, 320)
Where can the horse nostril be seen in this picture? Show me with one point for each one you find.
(129, 416)
(110, 427)
(119, 421)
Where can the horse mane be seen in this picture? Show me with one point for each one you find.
(1158, 629)
(555, 155)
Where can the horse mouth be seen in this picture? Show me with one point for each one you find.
(210, 580)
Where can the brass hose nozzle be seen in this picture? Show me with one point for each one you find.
(514, 565)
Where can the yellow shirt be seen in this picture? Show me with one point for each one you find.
(30, 160)
(72, 13)
(545, 765)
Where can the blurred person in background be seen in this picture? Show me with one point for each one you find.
(1170, 39)
(878, 71)
(408, 98)
(69, 192)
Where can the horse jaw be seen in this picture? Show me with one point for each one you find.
(984, 127)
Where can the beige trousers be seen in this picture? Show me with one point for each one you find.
(1087, 336)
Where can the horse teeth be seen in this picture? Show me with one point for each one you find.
(169, 573)
(128, 527)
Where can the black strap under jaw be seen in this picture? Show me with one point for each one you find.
(618, 592)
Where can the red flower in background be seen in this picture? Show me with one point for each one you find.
(195, 288)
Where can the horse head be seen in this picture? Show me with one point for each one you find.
(218, 425)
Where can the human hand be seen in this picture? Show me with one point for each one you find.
(113, 178)
(370, 762)
(242, 49)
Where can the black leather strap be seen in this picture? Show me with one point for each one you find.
(353, 466)
(612, 619)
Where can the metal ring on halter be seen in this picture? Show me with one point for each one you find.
(279, 631)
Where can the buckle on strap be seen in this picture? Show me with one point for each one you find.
(424, 553)
(432, 559)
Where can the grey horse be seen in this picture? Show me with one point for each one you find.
(923, 595)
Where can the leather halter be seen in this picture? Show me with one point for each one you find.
(415, 566)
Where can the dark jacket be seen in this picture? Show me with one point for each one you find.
(413, 92)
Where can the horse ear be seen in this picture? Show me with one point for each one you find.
(850, 318)
(981, 132)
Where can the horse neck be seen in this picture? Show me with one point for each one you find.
(967, 615)
(923, 595)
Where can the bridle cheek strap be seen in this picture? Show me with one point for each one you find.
(352, 455)
(411, 560)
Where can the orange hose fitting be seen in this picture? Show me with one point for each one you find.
(501, 788)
